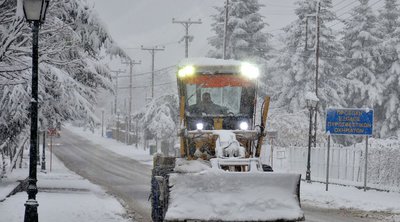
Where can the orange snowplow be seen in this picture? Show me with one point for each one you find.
(219, 175)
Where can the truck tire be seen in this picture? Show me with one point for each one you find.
(162, 167)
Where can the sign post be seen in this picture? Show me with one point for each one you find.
(327, 162)
(366, 163)
(342, 121)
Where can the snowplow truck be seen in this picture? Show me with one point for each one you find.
(219, 175)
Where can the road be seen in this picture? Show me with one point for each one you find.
(129, 180)
(126, 179)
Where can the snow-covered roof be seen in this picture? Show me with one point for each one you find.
(204, 61)
(212, 66)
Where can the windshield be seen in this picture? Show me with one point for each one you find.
(213, 100)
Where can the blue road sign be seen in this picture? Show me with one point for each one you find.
(349, 121)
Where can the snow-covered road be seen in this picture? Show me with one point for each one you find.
(120, 176)
(129, 180)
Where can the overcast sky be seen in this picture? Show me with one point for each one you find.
(133, 23)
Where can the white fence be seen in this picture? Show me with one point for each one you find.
(346, 164)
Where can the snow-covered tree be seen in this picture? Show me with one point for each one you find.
(389, 112)
(70, 71)
(294, 72)
(296, 64)
(161, 117)
(361, 40)
(246, 37)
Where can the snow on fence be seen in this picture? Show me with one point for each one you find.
(346, 163)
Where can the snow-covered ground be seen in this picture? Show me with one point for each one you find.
(63, 194)
(137, 153)
(344, 197)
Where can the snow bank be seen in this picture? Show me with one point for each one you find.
(343, 197)
(233, 196)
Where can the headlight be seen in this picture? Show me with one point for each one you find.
(200, 126)
(244, 126)
(186, 71)
(249, 70)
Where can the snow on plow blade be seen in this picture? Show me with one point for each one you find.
(217, 195)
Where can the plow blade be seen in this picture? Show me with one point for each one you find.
(217, 195)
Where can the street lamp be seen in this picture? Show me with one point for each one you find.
(43, 169)
(118, 113)
(102, 122)
(312, 103)
(35, 13)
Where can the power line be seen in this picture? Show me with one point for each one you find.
(275, 30)
(280, 6)
(350, 14)
(281, 29)
(146, 86)
(339, 3)
(186, 24)
(352, 2)
(150, 72)
(344, 13)
(340, 57)
(162, 44)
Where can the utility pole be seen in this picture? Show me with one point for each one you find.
(131, 63)
(225, 29)
(117, 72)
(152, 52)
(102, 122)
(316, 69)
(187, 24)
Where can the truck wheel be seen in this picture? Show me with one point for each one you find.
(157, 211)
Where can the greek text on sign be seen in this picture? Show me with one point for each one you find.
(349, 121)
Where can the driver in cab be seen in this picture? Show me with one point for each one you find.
(209, 107)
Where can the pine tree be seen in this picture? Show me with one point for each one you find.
(360, 39)
(246, 37)
(294, 72)
(389, 111)
(295, 75)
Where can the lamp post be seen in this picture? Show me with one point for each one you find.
(43, 169)
(102, 122)
(312, 103)
(118, 113)
(35, 13)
